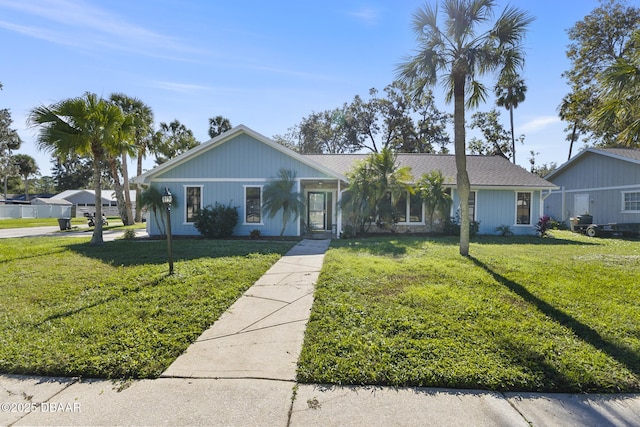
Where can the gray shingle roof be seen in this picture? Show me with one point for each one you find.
(629, 153)
(484, 171)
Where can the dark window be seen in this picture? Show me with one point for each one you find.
(252, 205)
(472, 205)
(415, 208)
(523, 208)
(194, 202)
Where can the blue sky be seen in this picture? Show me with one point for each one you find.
(263, 64)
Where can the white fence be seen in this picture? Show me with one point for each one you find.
(34, 211)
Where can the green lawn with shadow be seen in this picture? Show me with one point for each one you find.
(555, 314)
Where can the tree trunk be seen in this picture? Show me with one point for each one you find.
(513, 137)
(127, 194)
(573, 138)
(462, 177)
(96, 239)
(26, 188)
(117, 188)
(138, 217)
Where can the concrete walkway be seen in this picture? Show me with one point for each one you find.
(241, 372)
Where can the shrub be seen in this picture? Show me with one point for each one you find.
(452, 226)
(543, 226)
(255, 234)
(129, 234)
(216, 221)
(504, 230)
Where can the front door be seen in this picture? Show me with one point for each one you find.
(317, 211)
(581, 204)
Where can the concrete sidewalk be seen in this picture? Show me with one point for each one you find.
(241, 372)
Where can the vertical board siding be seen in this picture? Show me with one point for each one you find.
(243, 157)
(598, 176)
(498, 207)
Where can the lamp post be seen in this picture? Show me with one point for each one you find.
(167, 199)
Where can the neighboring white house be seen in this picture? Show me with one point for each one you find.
(85, 201)
(602, 182)
(233, 168)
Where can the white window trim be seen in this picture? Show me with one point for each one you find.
(184, 197)
(622, 194)
(244, 202)
(515, 216)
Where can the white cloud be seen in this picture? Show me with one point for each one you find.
(75, 23)
(539, 123)
(367, 15)
(180, 87)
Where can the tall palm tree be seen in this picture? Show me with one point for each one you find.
(280, 195)
(510, 91)
(26, 167)
(142, 118)
(86, 125)
(459, 55)
(620, 96)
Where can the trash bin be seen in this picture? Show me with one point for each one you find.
(64, 223)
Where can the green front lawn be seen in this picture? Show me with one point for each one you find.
(71, 309)
(521, 313)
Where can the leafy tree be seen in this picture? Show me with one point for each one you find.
(331, 131)
(142, 121)
(397, 120)
(510, 92)
(45, 184)
(280, 195)
(172, 140)
(542, 170)
(72, 172)
(218, 125)
(375, 185)
(86, 125)
(599, 41)
(9, 141)
(460, 55)
(401, 121)
(27, 167)
(497, 140)
(619, 100)
(434, 194)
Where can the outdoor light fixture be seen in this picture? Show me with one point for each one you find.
(167, 199)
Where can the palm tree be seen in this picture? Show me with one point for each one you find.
(151, 198)
(375, 184)
(218, 125)
(142, 118)
(26, 167)
(460, 56)
(85, 125)
(510, 91)
(280, 195)
(434, 195)
(620, 96)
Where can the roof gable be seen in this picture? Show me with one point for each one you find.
(631, 155)
(225, 162)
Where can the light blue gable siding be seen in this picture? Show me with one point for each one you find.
(241, 158)
(223, 172)
(498, 207)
